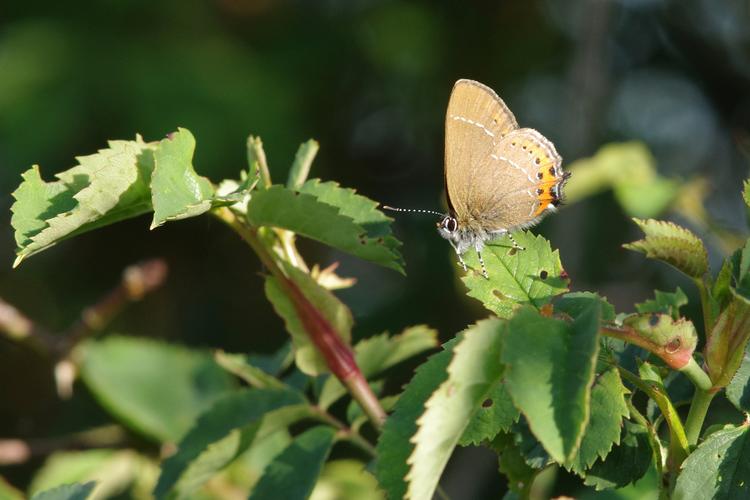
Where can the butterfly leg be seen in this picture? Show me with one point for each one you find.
(515, 244)
(458, 254)
(481, 262)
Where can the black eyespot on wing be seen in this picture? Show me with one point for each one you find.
(552, 171)
(539, 175)
(540, 191)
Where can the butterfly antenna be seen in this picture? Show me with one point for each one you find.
(415, 210)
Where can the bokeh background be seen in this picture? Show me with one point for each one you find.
(370, 80)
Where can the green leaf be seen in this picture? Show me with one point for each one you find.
(311, 217)
(116, 472)
(576, 303)
(746, 192)
(104, 188)
(9, 492)
(549, 371)
(496, 414)
(67, 492)
(361, 210)
(741, 267)
(718, 469)
(394, 445)
(177, 192)
(738, 390)
(307, 357)
(122, 372)
(293, 473)
(376, 354)
(531, 276)
(720, 291)
(240, 365)
(664, 302)
(240, 410)
(629, 169)
(626, 463)
(608, 407)
(513, 465)
(726, 343)
(346, 479)
(672, 244)
(214, 458)
(472, 374)
(302, 163)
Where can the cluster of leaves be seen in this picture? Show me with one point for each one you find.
(552, 377)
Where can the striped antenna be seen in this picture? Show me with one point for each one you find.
(415, 210)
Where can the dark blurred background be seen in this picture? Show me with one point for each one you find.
(370, 80)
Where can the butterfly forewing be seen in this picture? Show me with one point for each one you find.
(475, 122)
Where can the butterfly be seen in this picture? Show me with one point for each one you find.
(499, 178)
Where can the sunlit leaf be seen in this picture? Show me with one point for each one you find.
(727, 340)
(115, 472)
(629, 169)
(472, 373)
(177, 192)
(549, 372)
(293, 473)
(394, 445)
(516, 277)
(307, 215)
(106, 187)
(672, 244)
(346, 479)
(302, 163)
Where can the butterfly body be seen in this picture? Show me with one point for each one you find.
(499, 178)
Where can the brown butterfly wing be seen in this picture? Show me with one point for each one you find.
(475, 121)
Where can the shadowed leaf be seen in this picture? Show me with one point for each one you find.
(718, 469)
(293, 473)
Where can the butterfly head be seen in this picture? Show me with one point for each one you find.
(447, 227)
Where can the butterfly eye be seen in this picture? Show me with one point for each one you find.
(450, 224)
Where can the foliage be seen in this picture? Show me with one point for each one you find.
(551, 379)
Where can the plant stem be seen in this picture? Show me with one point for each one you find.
(697, 414)
(346, 432)
(708, 318)
(653, 437)
(678, 443)
(338, 355)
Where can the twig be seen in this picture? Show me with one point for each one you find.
(137, 280)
